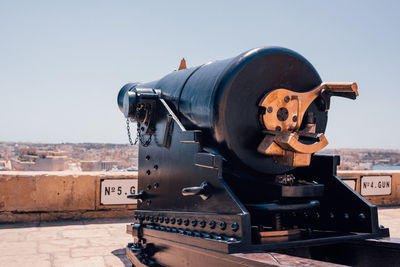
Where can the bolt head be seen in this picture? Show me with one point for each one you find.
(212, 224)
(286, 99)
(235, 226)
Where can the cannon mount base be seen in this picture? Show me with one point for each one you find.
(371, 252)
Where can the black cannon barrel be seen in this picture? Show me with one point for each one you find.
(222, 99)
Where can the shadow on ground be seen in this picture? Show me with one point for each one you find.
(120, 253)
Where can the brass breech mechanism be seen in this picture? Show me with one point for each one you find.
(286, 121)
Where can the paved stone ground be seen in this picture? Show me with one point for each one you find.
(390, 218)
(90, 243)
(65, 243)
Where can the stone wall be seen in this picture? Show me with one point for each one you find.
(43, 196)
(382, 200)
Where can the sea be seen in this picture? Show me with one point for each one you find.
(384, 167)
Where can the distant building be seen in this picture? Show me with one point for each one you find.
(41, 164)
(92, 165)
(5, 165)
(30, 159)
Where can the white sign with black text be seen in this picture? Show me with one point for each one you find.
(376, 185)
(115, 191)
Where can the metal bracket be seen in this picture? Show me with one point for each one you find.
(142, 195)
(204, 191)
(168, 132)
(282, 114)
(144, 253)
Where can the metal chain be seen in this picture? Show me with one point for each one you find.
(139, 136)
(128, 129)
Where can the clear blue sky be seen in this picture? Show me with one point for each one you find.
(63, 62)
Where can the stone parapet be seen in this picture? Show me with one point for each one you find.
(44, 196)
(47, 196)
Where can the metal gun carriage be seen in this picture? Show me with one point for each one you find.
(227, 167)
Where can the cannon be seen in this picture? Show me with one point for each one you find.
(228, 170)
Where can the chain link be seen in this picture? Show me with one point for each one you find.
(128, 129)
(139, 136)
